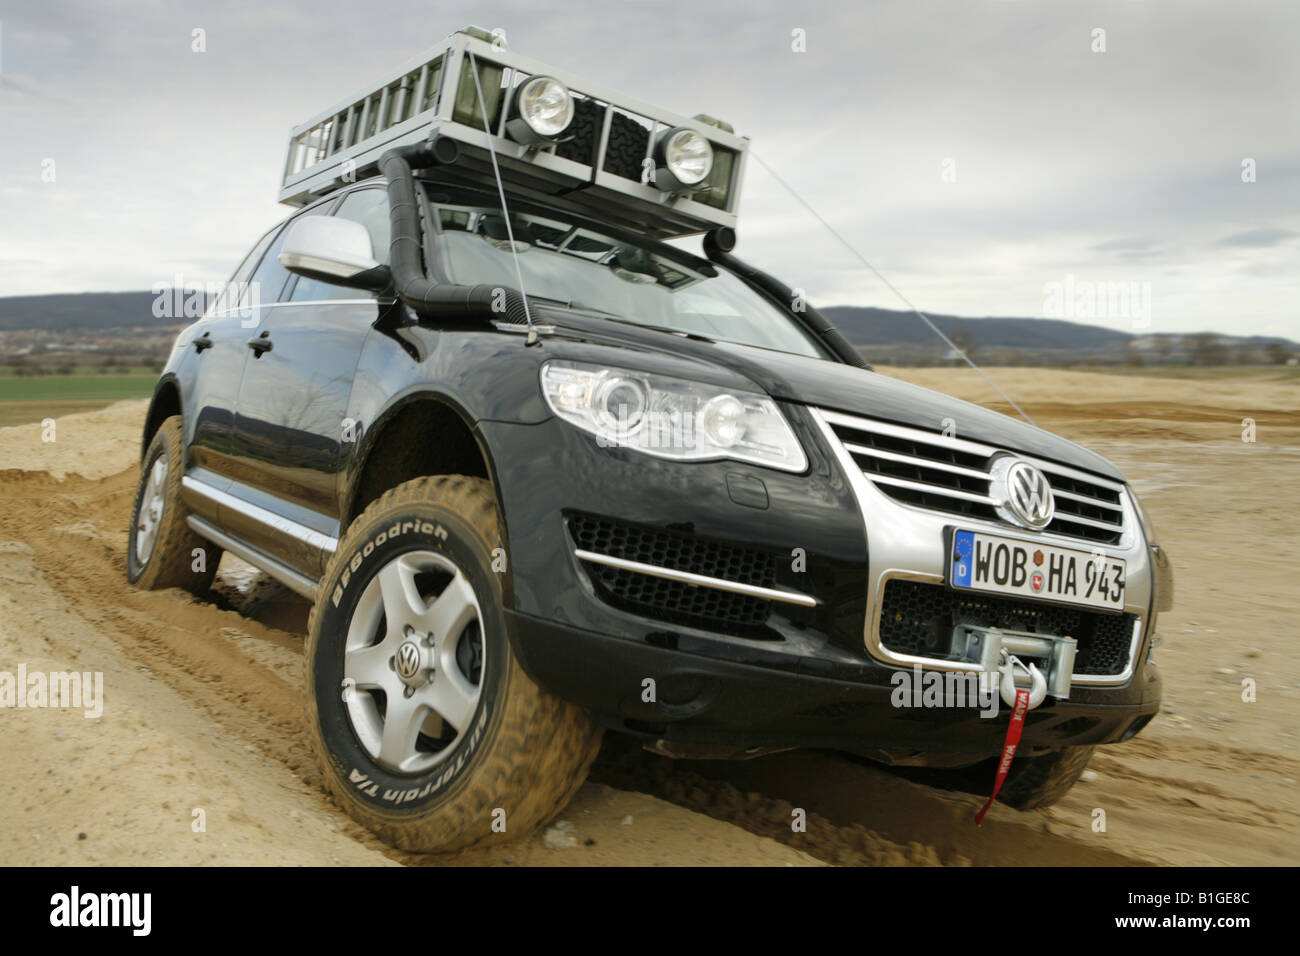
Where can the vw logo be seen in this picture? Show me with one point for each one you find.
(408, 660)
(1023, 494)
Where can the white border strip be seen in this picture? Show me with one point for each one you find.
(698, 580)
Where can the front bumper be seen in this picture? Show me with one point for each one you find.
(741, 706)
(809, 676)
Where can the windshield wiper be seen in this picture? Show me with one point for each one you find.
(613, 317)
(570, 304)
(661, 328)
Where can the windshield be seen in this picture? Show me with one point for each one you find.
(585, 269)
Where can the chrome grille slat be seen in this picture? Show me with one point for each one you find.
(936, 472)
(1094, 502)
(1053, 470)
(930, 489)
(1079, 519)
(894, 456)
(910, 434)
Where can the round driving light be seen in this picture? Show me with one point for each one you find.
(621, 403)
(685, 159)
(543, 110)
(724, 420)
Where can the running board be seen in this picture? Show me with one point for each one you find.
(290, 578)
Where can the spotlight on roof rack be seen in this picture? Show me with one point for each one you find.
(543, 109)
(683, 159)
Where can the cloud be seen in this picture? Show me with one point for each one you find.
(1107, 166)
(1124, 245)
(1260, 238)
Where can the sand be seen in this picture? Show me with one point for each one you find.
(199, 757)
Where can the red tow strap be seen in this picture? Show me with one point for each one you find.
(1014, 730)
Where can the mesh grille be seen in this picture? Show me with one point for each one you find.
(674, 600)
(917, 618)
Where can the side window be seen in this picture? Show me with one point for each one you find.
(268, 281)
(370, 208)
(231, 293)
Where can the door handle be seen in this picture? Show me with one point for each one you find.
(260, 345)
(202, 342)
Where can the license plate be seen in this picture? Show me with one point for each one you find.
(990, 562)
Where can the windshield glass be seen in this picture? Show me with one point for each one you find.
(583, 268)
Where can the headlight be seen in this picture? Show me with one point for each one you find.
(543, 110)
(671, 417)
(684, 159)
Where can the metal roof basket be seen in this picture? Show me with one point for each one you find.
(596, 168)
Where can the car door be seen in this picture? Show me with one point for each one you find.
(290, 422)
(220, 353)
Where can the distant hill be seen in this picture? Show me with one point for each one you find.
(865, 325)
(883, 335)
(84, 311)
(886, 335)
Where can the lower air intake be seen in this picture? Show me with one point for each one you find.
(918, 619)
(674, 600)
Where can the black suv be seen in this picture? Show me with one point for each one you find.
(658, 496)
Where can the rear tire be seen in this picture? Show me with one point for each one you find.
(1036, 782)
(1032, 782)
(162, 551)
(426, 729)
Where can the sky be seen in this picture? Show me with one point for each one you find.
(983, 155)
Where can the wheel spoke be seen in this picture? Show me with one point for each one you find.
(454, 609)
(368, 667)
(453, 697)
(403, 606)
(152, 501)
(402, 720)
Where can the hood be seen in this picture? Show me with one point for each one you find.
(835, 386)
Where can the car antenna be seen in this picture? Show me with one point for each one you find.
(505, 211)
(924, 318)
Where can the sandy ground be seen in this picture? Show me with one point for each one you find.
(199, 757)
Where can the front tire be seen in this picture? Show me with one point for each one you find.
(162, 551)
(426, 729)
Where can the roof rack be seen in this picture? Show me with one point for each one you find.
(596, 167)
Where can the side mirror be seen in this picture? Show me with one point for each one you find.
(333, 250)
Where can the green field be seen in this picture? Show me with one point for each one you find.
(82, 388)
(9, 371)
(26, 399)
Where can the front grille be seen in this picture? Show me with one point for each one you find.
(951, 475)
(674, 600)
(918, 619)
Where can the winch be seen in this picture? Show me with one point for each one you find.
(1050, 659)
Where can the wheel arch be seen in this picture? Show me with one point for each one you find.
(165, 403)
(420, 434)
